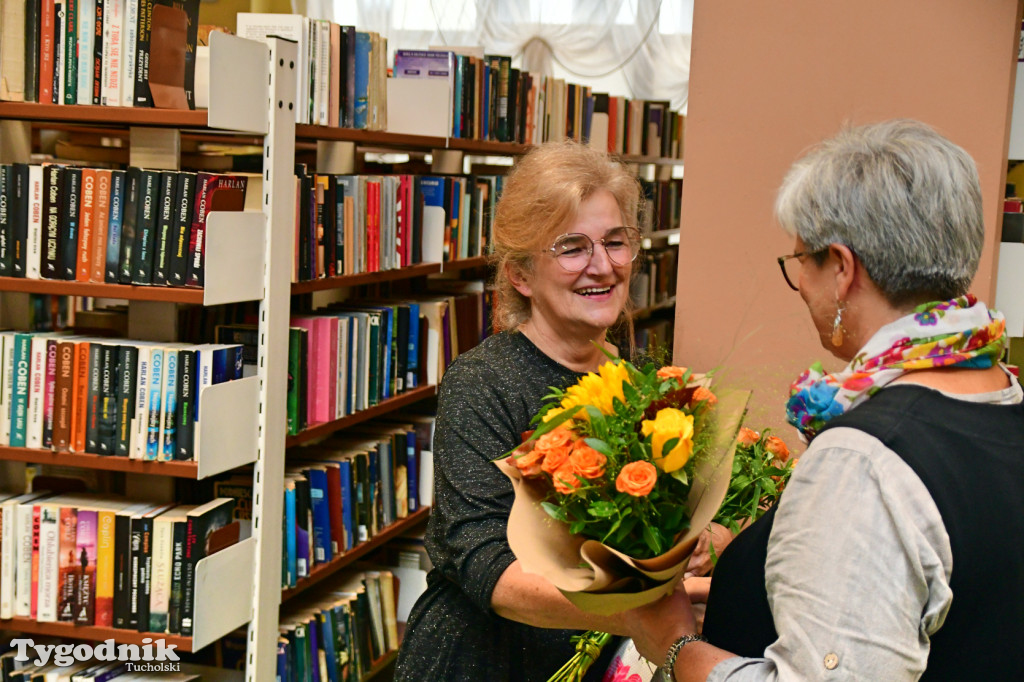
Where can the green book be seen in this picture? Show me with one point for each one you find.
(296, 342)
(376, 358)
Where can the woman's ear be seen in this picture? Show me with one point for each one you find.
(846, 266)
(519, 279)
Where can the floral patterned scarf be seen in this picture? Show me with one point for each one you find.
(961, 332)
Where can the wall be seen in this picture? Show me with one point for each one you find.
(768, 80)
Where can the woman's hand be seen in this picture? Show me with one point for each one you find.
(656, 626)
(700, 561)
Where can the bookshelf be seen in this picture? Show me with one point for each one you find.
(401, 400)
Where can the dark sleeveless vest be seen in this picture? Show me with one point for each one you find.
(970, 458)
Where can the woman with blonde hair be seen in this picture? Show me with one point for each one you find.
(565, 239)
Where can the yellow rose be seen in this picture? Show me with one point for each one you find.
(667, 424)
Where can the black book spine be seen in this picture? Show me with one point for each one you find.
(402, 339)
(304, 525)
(164, 223)
(115, 221)
(109, 404)
(145, 226)
(32, 12)
(131, 217)
(143, 98)
(135, 571)
(92, 419)
(96, 58)
(305, 267)
(191, 9)
(145, 573)
(185, 409)
(128, 358)
(184, 197)
(52, 202)
(177, 578)
(330, 227)
(6, 265)
(339, 226)
(122, 569)
(19, 219)
(69, 223)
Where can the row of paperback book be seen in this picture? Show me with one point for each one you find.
(339, 635)
(109, 52)
(98, 560)
(133, 399)
(491, 100)
(662, 204)
(347, 224)
(348, 488)
(654, 280)
(341, 71)
(133, 226)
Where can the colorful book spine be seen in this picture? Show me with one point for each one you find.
(156, 384)
(86, 556)
(104, 607)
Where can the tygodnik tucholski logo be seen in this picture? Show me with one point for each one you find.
(152, 656)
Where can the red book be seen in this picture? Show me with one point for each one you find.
(213, 193)
(334, 507)
(613, 123)
(80, 397)
(326, 330)
(46, 27)
(35, 561)
(101, 216)
(372, 226)
(405, 220)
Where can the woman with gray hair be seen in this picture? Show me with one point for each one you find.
(877, 563)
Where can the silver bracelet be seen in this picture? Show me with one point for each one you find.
(673, 653)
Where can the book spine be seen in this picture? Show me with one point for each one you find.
(185, 404)
(18, 192)
(34, 234)
(26, 530)
(83, 50)
(164, 223)
(144, 26)
(156, 383)
(108, 407)
(135, 570)
(145, 227)
(140, 417)
(113, 55)
(70, 47)
(118, 194)
(30, 30)
(80, 397)
(177, 588)
(179, 238)
(67, 585)
(97, 51)
(36, 393)
(121, 602)
(100, 227)
(105, 564)
(130, 30)
(6, 224)
(8, 558)
(188, 581)
(168, 428)
(128, 359)
(53, 184)
(20, 392)
(47, 19)
(92, 424)
(87, 214)
(49, 392)
(87, 557)
(133, 189)
(70, 207)
(47, 591)
(160, 580)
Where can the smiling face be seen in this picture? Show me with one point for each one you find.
(580, 304)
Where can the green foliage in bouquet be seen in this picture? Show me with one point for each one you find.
(761, 467)
(618, 450)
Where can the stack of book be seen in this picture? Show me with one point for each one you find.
(107, 562)
(107, 52)
(341, 72)
(350, 224)
(135, 399)
(662, 204)
(655, 282)
(343, 631)
(136, 226)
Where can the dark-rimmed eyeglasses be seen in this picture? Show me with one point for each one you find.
(789, 270)
(574, 250)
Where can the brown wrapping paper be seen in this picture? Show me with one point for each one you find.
(595, 577)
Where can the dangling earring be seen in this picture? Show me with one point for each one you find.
(837, 326)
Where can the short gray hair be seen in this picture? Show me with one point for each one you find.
(904, 198)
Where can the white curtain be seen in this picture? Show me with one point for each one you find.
(636, 48)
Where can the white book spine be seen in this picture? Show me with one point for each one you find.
(129, 52)
(204, 374)
(325, 75)
(7, 560)
(141, 418)
(24, 534)
(6, 385)
(160, 580)
(36, 392)
(86, 40)
(49, 563)
(113, 24)
(34, 240)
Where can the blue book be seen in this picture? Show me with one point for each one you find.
(347, 502)
(386, 474)
(325, 619)
(373, 524)
(19, 394)
(118, 187)
(314, 650)
(388, 333)
(363, 43)
(412, 471)
(412, 377)
(321, 515)
(290, 541)
(460, 69)
(282, 661)
(156, 372)
(237, 357)
(169, 441)
(220, 365)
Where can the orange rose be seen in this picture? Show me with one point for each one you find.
(564, 479)
(555, 446)
(703, 394)
(555, 458)
(670, 372)
(777, 447)
(529, 463)
(748, 437)
(587, 462)
(637, 478)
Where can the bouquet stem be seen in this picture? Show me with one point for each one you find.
(588, 649)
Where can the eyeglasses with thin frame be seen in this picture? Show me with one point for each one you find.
(784, 263)
(574, 250)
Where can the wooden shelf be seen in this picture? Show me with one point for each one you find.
(339, 562)
(131, 292)
(88, 632)
(655, 160)
(380, 138)
(648, 311)
(418, 270)
(120, 116)
(380, 665)
(382, 408)
(103, 462)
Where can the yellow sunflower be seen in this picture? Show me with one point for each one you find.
(597, 390)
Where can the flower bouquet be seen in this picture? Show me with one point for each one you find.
(622, 473)
(760, 469)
